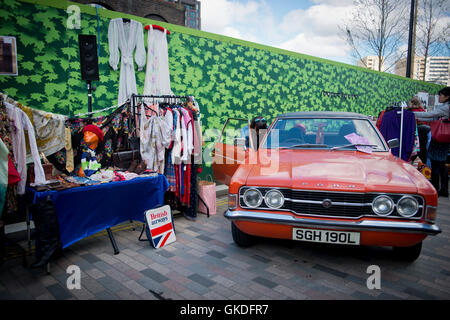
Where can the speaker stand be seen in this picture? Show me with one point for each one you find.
(90, 89)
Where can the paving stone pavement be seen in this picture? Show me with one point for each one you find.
(205, 264)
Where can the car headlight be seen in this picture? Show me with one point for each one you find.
(253, 198)
(274, 199)
(383, 205)
(407, 206)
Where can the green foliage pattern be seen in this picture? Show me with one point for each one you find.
(228, 79)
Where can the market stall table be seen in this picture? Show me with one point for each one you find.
(86, 210)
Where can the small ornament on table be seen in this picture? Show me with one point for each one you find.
(93, 137)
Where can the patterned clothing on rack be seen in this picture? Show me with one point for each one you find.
(115, 130)
(49, 129)
(169, 171)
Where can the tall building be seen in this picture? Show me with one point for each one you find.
(181, 12)
(437, 69)
(371, 62)
(192, 13)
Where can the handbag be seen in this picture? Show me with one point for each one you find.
(123, 159)
(207, 192)
(440, 130)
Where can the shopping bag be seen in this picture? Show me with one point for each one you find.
(440, 130)
(159, 227)
(207, 192)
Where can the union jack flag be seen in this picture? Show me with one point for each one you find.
(159, 228)
(161, 234)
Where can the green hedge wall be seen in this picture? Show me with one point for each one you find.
(229, 77)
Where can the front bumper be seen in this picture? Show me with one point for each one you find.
(361, 225)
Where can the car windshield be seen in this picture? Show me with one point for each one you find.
(324, 133)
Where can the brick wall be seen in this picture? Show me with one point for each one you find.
(152, 9)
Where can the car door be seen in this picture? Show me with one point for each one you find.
(231, 149)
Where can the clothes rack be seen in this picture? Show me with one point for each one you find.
(135, 100)
(169, 99)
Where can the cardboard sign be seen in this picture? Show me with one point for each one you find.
(159, 222)
(423, 97)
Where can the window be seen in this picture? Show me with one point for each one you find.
(324, 133)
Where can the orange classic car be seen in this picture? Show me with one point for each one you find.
(323, 177)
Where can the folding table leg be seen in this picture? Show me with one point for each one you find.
(204, 203)
(113, 241)
(27, 214)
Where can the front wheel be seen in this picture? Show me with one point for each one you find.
(408, 253)
(240, 238)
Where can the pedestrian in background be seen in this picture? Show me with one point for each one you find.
(438, 152)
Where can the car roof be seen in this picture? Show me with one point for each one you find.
(319, 114)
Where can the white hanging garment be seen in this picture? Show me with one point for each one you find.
(154, 138)
(157, 77)
(177, 144)
(19, 122)
(127, 37)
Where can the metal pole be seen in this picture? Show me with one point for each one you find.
(410, 39)
(401, 133)
(89, 87)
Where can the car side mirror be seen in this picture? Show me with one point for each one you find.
(393, 143)
(240, 142)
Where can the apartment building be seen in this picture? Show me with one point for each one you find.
(434, 69)
(372, 62)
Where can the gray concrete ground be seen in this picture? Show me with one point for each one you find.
(204, 263)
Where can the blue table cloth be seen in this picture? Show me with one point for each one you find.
(84, 211)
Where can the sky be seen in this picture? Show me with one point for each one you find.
(306, 26)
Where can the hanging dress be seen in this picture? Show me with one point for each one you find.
(127, 37)
(157, 77)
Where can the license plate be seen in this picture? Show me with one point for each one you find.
(326, 236)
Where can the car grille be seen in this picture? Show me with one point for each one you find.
(344, 204)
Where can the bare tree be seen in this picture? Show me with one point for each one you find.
(431, 38)
(378, 28)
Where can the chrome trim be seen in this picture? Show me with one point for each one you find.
(350, 204)
(362, 225)
(423, 207)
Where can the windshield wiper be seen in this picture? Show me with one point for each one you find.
(306, 145)
(355, 145)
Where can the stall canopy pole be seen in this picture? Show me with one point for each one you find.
(401, 133)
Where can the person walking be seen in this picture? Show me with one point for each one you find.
(437, 151)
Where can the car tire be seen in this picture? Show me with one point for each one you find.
(240, 238)
(408, 253)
